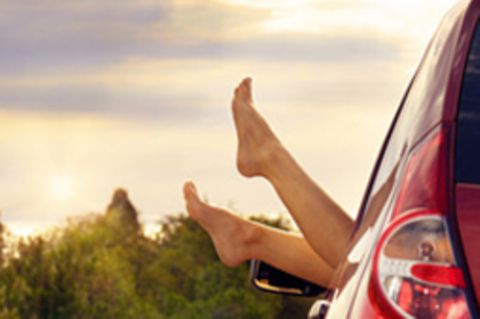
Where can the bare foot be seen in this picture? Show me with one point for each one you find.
(232, 236)
(257, 143)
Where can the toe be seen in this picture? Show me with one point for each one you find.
(242, 89)
(245, 89)
(190, 191)
(248, 85)
(193, 203)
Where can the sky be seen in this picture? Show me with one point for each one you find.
(96, 95)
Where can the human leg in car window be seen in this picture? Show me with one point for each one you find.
(325, 226)
(237, 240)
(260, 153)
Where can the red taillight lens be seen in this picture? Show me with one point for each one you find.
(439, 274)
(415, 274)
(424, 181)
(414, 271)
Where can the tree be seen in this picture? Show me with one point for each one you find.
(102, 266)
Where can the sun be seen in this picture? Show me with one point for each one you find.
(61, 187)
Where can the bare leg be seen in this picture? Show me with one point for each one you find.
(325, 225)
(237, 240)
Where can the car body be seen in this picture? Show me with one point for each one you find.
(415, 250)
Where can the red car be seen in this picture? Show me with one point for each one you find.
(415, 250)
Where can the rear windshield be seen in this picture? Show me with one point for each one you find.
(467, 163)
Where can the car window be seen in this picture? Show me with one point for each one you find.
(406, 122)
(467, 162)
(385, 175)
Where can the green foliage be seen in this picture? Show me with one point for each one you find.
(98, 267)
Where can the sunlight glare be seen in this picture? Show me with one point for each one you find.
(23, 231)
(61, 187)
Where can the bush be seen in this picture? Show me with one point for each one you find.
(99, 267)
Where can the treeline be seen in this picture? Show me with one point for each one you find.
(103, 266)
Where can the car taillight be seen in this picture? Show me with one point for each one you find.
(414, 272)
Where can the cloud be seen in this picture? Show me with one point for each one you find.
(184, 91)
(56, 33)
(59, 39)
(78, 100)
(60, 35)
(316, 48)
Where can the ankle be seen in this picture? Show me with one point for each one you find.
(274, 164)
(252, 235)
